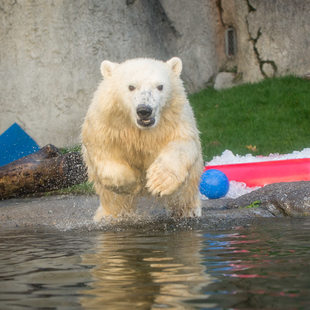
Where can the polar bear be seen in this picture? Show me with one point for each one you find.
(139, 137)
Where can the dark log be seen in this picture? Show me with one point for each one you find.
(48, 151)
(42, 171)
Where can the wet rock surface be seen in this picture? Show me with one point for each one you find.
(282, 200)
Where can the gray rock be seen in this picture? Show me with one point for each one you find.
(282, 200)
(224, 80)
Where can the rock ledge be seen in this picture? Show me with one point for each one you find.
(280, 200)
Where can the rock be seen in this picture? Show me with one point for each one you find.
(306, 76)
(224, 80)
(282, 200)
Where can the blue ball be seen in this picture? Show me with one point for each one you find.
(214, 184)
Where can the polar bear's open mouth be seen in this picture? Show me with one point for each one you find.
(147, 122)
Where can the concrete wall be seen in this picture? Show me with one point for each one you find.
(272, 37)
(50, 51)
(194, 23)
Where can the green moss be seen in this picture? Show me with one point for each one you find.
(254, 204)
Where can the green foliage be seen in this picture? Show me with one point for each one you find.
(272, 116)
(74, 148)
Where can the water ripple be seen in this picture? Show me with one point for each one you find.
(263, 266)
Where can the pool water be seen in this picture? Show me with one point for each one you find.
(259, 266)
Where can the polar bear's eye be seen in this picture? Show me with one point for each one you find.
(131, 87)
(160, 87)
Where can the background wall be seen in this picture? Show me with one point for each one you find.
(272, 36)
(50, 51)
(50, 54)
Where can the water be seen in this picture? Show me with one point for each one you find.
(259, 266)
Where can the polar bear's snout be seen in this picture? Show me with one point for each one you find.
(144, 113)
(146, 108)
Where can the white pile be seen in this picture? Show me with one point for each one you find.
(237, 189)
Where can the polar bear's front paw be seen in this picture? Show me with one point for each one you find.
(119, 178)
(162, 181)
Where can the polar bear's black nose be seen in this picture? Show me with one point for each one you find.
(144, 111)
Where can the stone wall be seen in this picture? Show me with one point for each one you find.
(195, 25)
(50, 54)
(50, 51)
(272, 37)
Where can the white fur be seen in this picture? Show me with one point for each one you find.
(126, 159)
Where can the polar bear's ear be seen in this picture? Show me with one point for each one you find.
(107, 68)
(175, 63)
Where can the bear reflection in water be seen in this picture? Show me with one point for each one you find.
(131, 271)
(140, 138)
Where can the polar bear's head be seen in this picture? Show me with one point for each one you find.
(143, 87)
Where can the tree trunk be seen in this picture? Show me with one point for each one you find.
(42, 171)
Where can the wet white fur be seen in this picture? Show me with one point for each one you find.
(126, 160)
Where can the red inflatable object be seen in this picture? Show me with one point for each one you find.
(267, 172)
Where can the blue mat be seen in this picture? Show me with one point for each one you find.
(14, 144)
